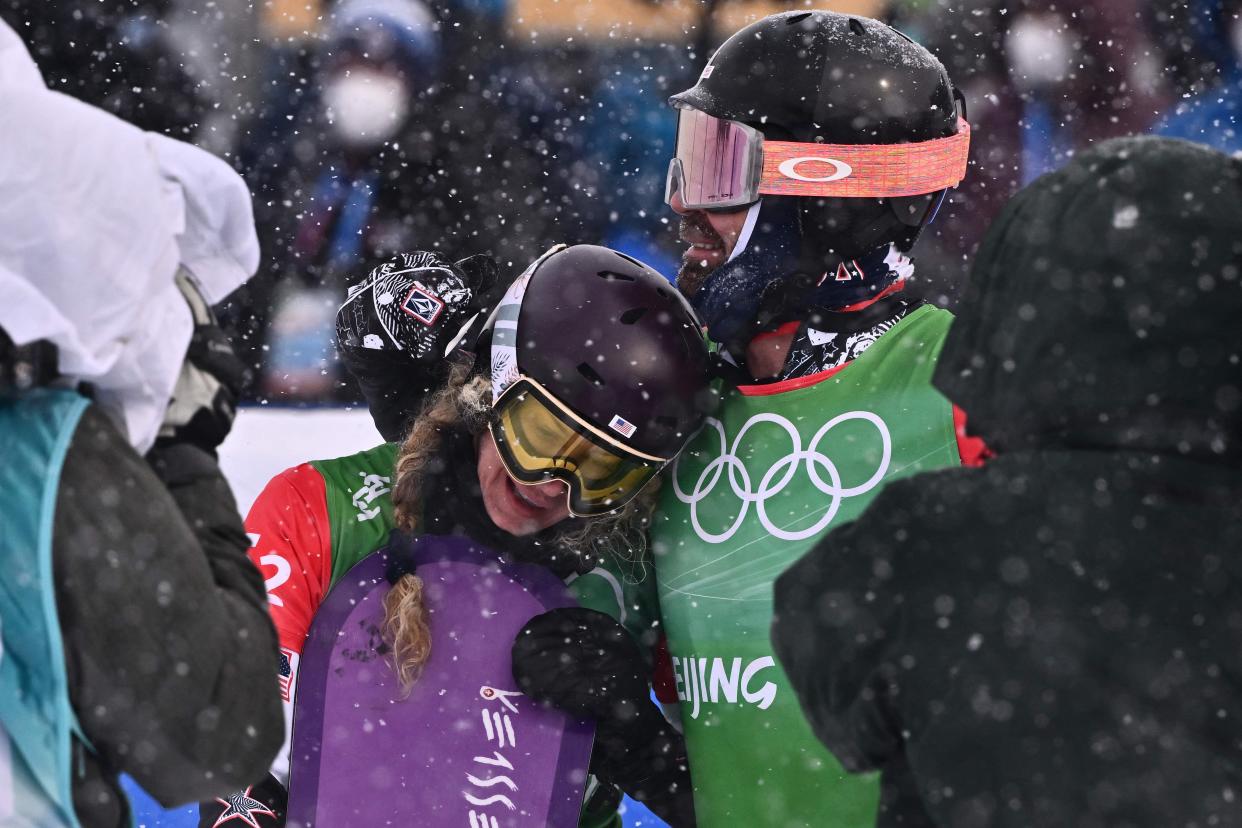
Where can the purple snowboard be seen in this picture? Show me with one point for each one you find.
(465, 748)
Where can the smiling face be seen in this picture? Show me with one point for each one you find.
(711, 238)
(517, 508)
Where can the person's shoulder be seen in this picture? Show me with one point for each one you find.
(931, 316)
(937, 528)
(381, 457)
(932, 500)
(298, 490)
(369, 467)
(915, 525)
(97, 434)
(299, 477)
(905, 542)
(313, 477)
(920, 333)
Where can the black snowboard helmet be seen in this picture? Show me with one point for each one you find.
(608, 348)
(822, 77)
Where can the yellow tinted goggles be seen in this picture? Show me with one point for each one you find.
(540, 439)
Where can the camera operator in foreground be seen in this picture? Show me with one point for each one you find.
(135, 632)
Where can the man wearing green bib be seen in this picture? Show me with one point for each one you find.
(810, 154)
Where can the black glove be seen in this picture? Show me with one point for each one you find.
(263, 804)
(584, 663)
(401, 321)
(204, 400)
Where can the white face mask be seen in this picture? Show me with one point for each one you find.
(366, 107)
(1040, 52)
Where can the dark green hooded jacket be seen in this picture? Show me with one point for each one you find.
(1056, 639)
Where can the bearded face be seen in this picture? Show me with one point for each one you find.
(711, 238)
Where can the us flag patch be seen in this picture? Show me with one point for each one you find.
(287, 672)
(423, 305)
(622, 426)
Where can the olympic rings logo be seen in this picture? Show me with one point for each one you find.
(818, 466)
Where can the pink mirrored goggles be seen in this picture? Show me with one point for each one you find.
(720, 164)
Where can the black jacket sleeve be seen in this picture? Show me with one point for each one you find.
(393, 385)
(170, 653)
(837, 633)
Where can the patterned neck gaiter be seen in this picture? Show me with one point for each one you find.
(765, 279)
(829, 339)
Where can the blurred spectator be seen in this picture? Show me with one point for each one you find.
(1040, 82)
(339, 182)
(519, 119)
(218, 44)
(114, 54)
(1202, 45)
(630, 134)
(423, 127)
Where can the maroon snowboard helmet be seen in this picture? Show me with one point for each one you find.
(616, 348)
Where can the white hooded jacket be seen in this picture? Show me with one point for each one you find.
(97, 215)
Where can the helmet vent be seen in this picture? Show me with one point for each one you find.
(857, 27)
(614, 276)
(797, 18)
(591, 374)
(632, 315)
(629, 259)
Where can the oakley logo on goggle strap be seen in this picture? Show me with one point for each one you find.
(839, 169)
(423, 305)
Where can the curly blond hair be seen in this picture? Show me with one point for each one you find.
(463, 403)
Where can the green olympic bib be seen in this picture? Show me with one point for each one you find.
(756, 488)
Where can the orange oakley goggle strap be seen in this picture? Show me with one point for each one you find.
(865, 170)
(539, 439)
(721, 163)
